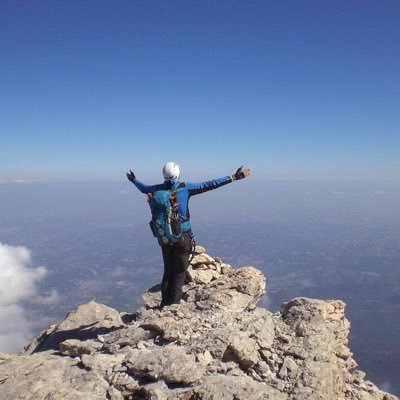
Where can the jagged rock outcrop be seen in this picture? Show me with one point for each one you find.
(215, 345)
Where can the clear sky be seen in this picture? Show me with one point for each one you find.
(293, 89)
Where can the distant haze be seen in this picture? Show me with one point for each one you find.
(323, 239)
(248, 200)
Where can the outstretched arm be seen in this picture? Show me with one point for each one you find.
(201, 187)
(197, 188)
(140, 185)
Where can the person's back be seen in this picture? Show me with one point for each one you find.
(176, 254)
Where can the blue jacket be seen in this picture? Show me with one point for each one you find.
(186, 190)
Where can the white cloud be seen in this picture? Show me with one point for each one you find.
(17, 279)
(15, 328)
(18, 282)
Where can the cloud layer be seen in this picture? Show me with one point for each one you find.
(18, 282)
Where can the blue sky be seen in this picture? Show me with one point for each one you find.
(293, 89)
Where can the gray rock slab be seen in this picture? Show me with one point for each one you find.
(170, 364)
(44, 376)
(215, 345)
(87, 321)
(223, 387)
(240, 290)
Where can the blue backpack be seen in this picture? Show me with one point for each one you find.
(165, 223)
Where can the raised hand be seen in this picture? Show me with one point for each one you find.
(241, 173)
(130, 175)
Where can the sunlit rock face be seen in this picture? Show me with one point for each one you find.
(216, 345)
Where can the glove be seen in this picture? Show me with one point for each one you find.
(130, 175)
(240, 173)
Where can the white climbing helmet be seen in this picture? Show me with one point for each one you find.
(171, 171)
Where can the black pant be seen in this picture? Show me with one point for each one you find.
(176, 262)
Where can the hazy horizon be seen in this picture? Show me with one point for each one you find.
(68, 243)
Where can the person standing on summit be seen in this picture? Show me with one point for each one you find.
(169, 203)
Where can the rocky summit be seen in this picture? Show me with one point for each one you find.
(216, 345)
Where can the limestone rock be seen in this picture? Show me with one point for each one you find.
(245, 351)
(91, 315)
(102, 362)
(5, 356)
(75, 347)
(232, 387)
(201, 275)
(85, 322)
(288, 369)
(156, 391)
(199, 249)
(202, 259)
(240, 290)
(129, 336)
(204, 268)
(152, 297)
(48, 376)
(170, 364)
(215, 345)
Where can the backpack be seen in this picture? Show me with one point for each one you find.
(165, 223)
